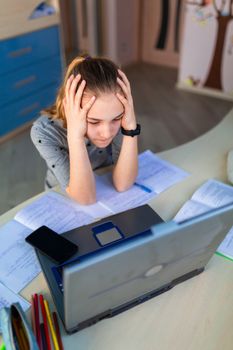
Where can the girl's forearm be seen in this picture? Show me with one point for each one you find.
(126, 168)
(81, 186)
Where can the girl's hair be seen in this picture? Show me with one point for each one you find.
(100, 75)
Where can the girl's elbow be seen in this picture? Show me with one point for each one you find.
(122, 187)
(85, 200)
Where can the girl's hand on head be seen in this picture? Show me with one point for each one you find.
(128, 121)
(76, 116)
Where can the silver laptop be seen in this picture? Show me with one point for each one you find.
(129, 269)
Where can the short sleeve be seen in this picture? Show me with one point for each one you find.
(50, 144)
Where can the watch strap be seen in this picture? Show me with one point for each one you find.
(131, 133)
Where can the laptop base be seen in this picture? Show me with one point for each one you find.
(135, 302)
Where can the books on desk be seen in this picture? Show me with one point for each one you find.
(19, 263)
(212, 194)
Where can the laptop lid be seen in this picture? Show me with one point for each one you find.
(107, 282)
(93, 238)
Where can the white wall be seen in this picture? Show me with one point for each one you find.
(120, 30)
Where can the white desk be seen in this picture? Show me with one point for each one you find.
(195, 315)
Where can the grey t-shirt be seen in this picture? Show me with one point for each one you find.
(50, 138)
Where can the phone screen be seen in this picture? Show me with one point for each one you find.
(55, 246)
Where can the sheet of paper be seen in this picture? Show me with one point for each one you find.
(7, 297)
(59, 213)
(189, 210)
(226, 247)
(214, 194)
(18, 261)
(158, 174)
(119, 201)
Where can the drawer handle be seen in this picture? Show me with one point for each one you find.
(20, 52)
(23, 82)
(29, 108)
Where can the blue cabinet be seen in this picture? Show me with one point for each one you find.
(30, 74)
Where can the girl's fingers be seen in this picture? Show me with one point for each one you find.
(79, 92)
(89, 104)
(68, 83)
(125, 79)
(126, 90)
(122, 85)
(73, 87)
(122, 99)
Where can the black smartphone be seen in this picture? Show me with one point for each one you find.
(50, 243)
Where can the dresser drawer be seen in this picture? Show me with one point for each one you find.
(28, 48)
(30, 79)
(16, 114)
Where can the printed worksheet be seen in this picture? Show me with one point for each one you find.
(158, 174)
(120, 201)
(59, 213)
(212, 194)
(19, 264)
(154, 176)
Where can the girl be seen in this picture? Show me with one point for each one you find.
(92, 124)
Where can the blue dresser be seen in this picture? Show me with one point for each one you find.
(30, 74)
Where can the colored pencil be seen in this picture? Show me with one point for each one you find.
(46, 328)
(55, 341)
(33, 315)
(37, 321)
(57, 330)
(43, 337)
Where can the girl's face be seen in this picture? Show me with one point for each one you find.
(103, 119)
